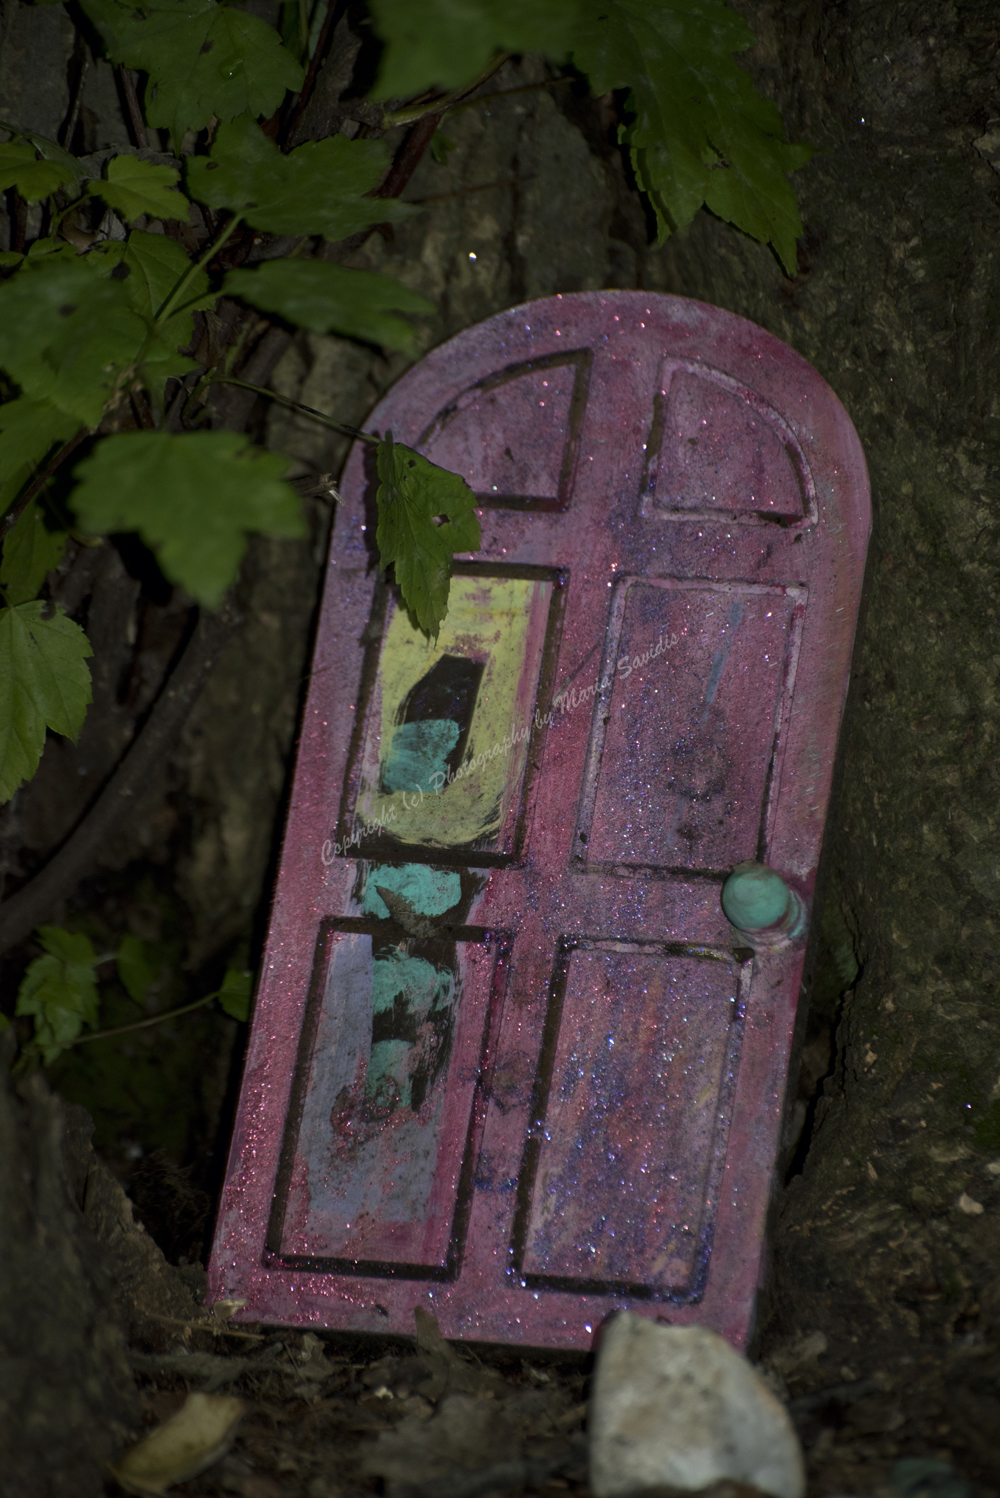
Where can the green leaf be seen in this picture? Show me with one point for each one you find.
(134, 187)
(138, 966)
(30, 552)
(44, 682)
(329, 299)
(235, 993)
(66, 335)
(440, 146)
(30, 429)
(9, 258)
(192, 497)
(155, 265)
(700, 132)
(445, 43)
(203, 59)
(34, 179)
(412, 494)
(60, 990)
(317, 189)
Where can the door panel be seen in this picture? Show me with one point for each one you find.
(439, 706)
(618, 1184)
(509, 1060)
(717, 446)
(680, 759)
(374, 1150)
(514, 436)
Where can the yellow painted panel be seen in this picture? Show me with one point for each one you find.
(499, 623)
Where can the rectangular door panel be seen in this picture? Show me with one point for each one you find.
(392, 1057)
(618, 1191)
(446, 734)
(694, 685)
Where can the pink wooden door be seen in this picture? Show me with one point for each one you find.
(509, 1059)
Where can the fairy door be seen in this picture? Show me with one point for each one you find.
(510, 1061)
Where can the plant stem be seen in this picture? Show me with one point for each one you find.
(143, 1024)
(446, 101)
(16, 510)
(195, 266)
(504, 93)
(284, 400)
(335, 10)
(136, 120)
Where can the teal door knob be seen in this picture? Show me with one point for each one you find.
(757, 900)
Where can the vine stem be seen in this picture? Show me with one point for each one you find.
(17, 509)
(284, 400)
(334, 12)
(501, 93)
(144, 1024)
(446, 101)
(195, 266)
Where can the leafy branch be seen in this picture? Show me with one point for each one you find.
(59, 992)
(105, 341)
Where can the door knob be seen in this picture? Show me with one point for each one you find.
(758, 901)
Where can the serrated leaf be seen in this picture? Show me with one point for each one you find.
(138, 966)
(34, 179)
(701, 133)
(134, 187)
(412, 494)
(319, 188)
(66, 335)
(30, 551)
(156, 263)
(235, 993)
(202, 58)
(44, 682)
(445, 43)
(193, 497)
(60, 990)
(329, 299)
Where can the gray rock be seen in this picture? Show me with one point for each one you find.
(676, 1406)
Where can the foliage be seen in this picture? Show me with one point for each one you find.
(700, 132)
(202, 59)
(34, 179)
(44, 683)
(30, 551)
(192, 498)
(234, 995)
(99, 326)
(135, 187)
(320, 188)
(425, 515)
(445, 43)
(60, 990)
(328, 299)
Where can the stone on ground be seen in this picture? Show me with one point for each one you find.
(675, 1406)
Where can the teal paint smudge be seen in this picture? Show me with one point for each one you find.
(418, 752)
(429, 891)
(412, 1003)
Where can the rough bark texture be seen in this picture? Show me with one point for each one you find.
(887, 1234)
(67, 1398)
